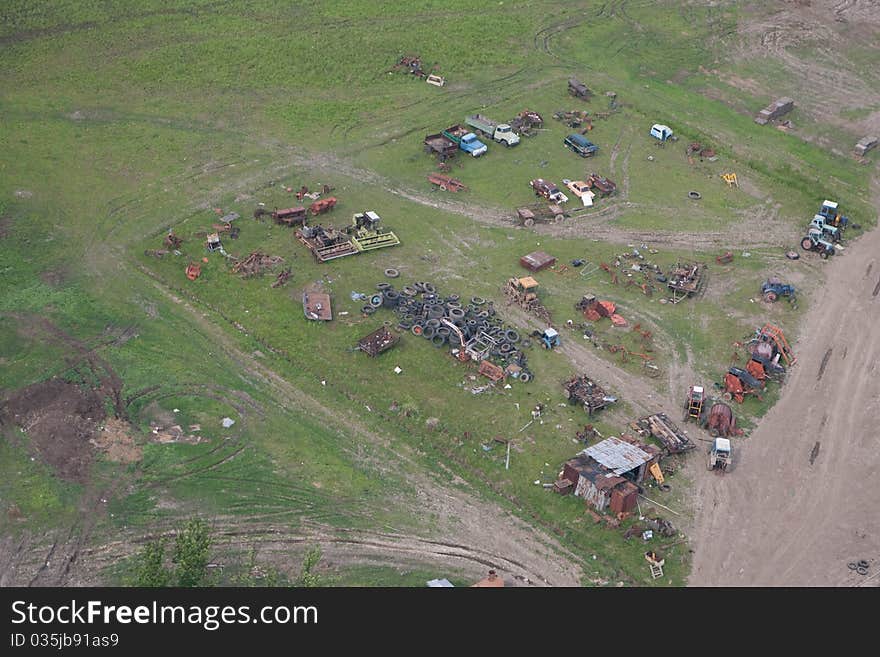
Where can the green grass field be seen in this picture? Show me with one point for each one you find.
(122, 123)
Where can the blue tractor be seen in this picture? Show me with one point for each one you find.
(773, 288)
(832, 216)
(549, 338)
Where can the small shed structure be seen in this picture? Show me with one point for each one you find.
(537, 260)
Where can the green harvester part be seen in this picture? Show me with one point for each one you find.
(366, 234)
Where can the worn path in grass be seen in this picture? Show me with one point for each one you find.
(800, 502)
(754, 233)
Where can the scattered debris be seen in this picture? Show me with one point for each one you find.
(227, 422)
(193, 271)
(282, 277)
(255, 264)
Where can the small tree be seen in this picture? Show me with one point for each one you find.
(307, 578)
(191, 553)
(150, 570)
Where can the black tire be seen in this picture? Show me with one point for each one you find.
(382, 286)
(806, 244)
(391, 298)
(664, 487)
(512, 336)
(368, 310)
(862, 571)
(456, 313)
(417, 328)
(505, 347)
(862, 564)
(478, 301)
(428, 332)
(438, 340)
(409, 290)
(434, 323)
(824, 255)
(429, 288)
(525, 376)
(852, 565)
(392, 273)
(695, 196)
(376, 300)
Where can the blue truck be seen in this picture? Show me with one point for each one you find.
(467, 141)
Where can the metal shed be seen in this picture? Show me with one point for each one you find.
(537, 260)
(622, 457)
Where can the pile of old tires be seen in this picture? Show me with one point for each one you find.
(420, 309)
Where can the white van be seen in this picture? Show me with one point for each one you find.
(661, 132)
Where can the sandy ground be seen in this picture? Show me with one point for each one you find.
(776, 519)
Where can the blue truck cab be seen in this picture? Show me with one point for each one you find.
(471, 144)
(467, 141)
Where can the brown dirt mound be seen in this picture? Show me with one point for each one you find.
(59, 419)
(116, 441)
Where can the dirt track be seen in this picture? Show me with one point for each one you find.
(776, 519)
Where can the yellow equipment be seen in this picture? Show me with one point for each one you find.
(730, 179)
(657, 472)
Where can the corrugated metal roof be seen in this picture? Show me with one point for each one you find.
(617, 455)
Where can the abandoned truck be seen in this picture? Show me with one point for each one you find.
(467, 141)
(500, 132)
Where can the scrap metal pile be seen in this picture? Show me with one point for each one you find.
(573, 118)
(767, 349)
(255, 264)
(636, 270)
(659, 426)
(583, 390)
(526, 121)
(685, 280)
(472, 330)
(594, 310)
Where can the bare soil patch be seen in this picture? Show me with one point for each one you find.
(790, 513)
(59, 418)
(116, 441)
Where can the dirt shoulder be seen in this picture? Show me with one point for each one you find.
(798, 505)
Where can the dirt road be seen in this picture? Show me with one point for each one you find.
(777, 519)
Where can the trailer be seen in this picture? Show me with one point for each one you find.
(446, 183)
(378, 341)
(583, 390)
(441, 145)
(290, 216)
(659, 426)
(529, 215)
